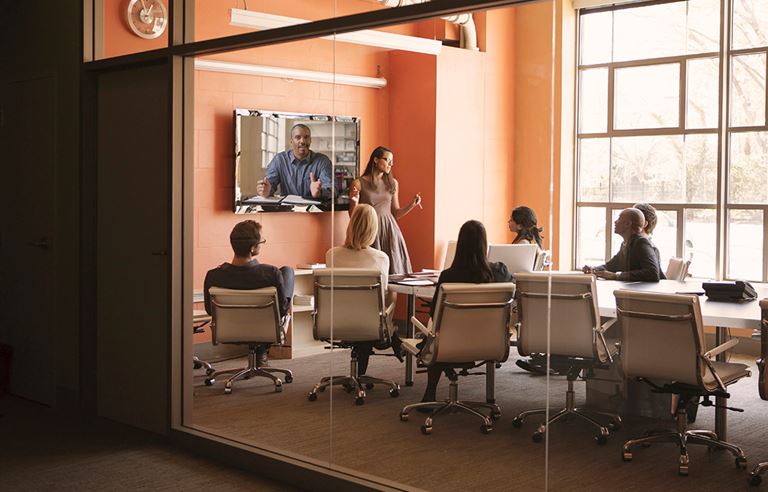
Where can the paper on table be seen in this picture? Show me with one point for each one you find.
(415, 282)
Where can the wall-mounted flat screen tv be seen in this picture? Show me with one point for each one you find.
(263, 139)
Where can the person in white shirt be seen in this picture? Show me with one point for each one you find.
(358, 253)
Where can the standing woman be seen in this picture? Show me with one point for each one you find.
(378, 188)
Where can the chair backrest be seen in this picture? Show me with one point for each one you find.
(349, 305)
(570, 305)
(763, 380)
(662, 336)
(543, 260)
(517, 257)
(450, 253)
(471, 322)
(677, 269)
(245, 316)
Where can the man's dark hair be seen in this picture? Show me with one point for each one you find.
(244, 236)
(650, 216)
(302, 126)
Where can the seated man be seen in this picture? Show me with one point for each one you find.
(299, 171)
(245, 272)
(637, 259)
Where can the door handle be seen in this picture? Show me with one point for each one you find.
(43, 243)
(159, 252)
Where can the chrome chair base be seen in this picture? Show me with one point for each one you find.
(198, 363)
(682, 437)
(570, 410)
(353, 383)
(754, 475)
(251, 371)
(453, 404)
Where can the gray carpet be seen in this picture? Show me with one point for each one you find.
(43, 450)
(371, 438)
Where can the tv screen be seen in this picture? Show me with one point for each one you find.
(261, 135)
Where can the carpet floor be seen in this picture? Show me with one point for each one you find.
(372, 439)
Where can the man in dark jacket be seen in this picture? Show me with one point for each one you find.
(245, 272)
(637, 259)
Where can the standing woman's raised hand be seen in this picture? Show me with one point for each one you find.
(354, 194)
(416, 201)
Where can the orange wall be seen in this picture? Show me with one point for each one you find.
(412, 136)
(532, 118)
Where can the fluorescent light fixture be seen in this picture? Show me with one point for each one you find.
(290, 73)
(368, 37)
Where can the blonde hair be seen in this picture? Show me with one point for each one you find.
(363, 227)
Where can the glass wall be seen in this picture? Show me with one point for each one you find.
(440, 97)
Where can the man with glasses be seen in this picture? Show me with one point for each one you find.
(245, 272)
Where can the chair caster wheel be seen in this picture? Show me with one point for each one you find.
(754, 479)
(227, 390)
(279, 388)
(741, 462)
(486, 429)
(197, 365)
(359, 401)
(312, 396)
(394, 392)
(426, 430)
(614, 426)
(368, 386)
(626, 456)
(209, 381)
(208, 372)
(517, 422)
(601, 439)
(537, 437)
(288, 379)
(403, 417)
(496, 416)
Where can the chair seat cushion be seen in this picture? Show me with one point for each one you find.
(729, 372)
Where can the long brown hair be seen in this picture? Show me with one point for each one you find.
(378, 153)
(472, 250)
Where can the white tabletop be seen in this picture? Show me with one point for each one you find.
(726, 314)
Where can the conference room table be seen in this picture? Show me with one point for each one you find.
(721, 315)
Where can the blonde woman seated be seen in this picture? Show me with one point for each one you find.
(358, 253)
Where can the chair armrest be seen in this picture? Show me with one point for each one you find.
(721, 348)
(607, 325)
(418, 324)
(388, 312)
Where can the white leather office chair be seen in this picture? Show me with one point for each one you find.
(450, 253)
(755, 475)
(677, 269)
(350, 313)
(248, 317)
(470, 323)
(576, 341)
(663, 346)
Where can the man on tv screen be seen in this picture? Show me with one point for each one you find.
(299, 171)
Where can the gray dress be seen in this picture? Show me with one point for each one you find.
(390, 240)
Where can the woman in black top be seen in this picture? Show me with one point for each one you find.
(470, 265)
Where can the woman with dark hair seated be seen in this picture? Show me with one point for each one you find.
(523, 222)
(470, 265)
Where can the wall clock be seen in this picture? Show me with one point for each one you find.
(147, 18)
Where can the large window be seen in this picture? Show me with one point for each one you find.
(672, 111)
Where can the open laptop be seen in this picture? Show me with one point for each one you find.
(517, 257)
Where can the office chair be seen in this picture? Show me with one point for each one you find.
(663, 346)
(677, 269)
(199, 319)
(755, 475)
(576, 339)
(248, 317)
(470, 323)
(349, 313)
(543, 260)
